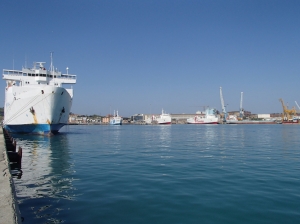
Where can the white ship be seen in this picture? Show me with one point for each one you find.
(35, 100)
(116, 119)
(164, 118)
(210, 117)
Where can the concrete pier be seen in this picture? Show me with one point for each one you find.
(9, 209)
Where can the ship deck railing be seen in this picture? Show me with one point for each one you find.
(7, 72)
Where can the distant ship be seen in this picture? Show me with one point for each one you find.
(116, 119)
(210, 117)
(232, 119)
(164, 118)
(35, 100)
(294, 120)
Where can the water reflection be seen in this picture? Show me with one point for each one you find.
(47, 174)
(289, 135)
(116, 133)
(210, 134)
(164, 135)
(46, 160)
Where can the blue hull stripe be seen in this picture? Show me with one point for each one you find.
(34, 128)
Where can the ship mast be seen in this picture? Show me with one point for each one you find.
(51, 65)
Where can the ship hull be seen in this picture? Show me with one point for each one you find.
(291, 122)
(197, 120)
(36, 110)
(210, 117)
(164, 122)
(166, 119)
(43, 129)
(115, 122)
(204, 122)
(251, 122)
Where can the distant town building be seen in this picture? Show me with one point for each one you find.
(137, 118)
(263, 116)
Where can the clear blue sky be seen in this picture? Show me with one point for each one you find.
(142, 56)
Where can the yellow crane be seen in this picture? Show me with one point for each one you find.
(287, 114)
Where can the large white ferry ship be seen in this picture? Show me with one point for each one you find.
(210, 117)
(35, 100)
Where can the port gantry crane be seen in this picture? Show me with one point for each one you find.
(287, 114)
(223, 106)
(297, 105)
(241, 107)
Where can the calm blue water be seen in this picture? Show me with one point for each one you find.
(162, 174)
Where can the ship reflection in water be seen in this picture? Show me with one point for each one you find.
(46, 179)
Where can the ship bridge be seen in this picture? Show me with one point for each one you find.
(38, 75)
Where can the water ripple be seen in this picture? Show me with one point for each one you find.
(162, 174)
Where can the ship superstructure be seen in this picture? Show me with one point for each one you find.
(35, 99)
(116, 119)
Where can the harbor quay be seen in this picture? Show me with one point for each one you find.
(9, 209)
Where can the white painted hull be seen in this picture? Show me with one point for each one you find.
(166, 119)
(116, 121)
(37, 109)
(210, 117)
(198, 120)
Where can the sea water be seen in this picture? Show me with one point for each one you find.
(161, 174)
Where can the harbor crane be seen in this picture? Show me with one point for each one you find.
(241, 107)
(223, 106)
(287, 114)
(297, 105)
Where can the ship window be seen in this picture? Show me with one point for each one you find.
(55, 76)
(44, 75)
(51, 76)
(29, 74)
